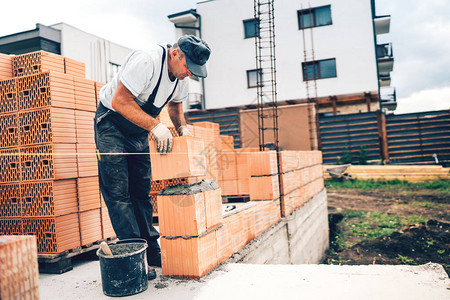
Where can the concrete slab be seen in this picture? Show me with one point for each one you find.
(247, 281)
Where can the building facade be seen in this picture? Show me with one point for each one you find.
(326, 52)
(101, 57)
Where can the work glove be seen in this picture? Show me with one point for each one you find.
(163, 138)
(183, 130)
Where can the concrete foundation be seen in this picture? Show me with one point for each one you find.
(300, 238)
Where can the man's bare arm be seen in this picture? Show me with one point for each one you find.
(176, 113)
(123, 102)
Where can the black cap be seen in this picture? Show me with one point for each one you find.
(197, 53)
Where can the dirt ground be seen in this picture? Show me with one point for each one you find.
(413, 244)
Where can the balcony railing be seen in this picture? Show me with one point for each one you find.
(389, 100)
(382, 24)
(384, 50)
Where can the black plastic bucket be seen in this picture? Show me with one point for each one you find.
(125, 272)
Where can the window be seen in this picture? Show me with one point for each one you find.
(251, 28)
(254, 78)
(319, 69)
(319, 16)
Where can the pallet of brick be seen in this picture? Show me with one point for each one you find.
(8, 96)
(54, 234)
(90, 226)
(9, 126)
(5, 66)
(48, 89)
(19, 274)
(189, 210)
(47, 125)
(84, 91)
(189, 257)
(74, 67)
(10, 204)
(48, 198)
(36, 62)
(48, 162)
(187, 159)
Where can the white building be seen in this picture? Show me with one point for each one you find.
(101, 57)
(341, 34)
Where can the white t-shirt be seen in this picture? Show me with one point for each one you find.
(139, 74)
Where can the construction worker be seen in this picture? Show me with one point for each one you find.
(127, 112)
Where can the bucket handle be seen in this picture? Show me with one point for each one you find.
(135, 240)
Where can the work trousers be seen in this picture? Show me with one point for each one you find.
(125, 180)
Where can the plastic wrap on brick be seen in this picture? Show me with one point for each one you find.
(48, 162)
(90, 226)
(84, 124)
(19, 271)
(37, 62)
(10, 165)
(88, 193)
(10, 200)
(48, 125)
(8, 96)
(49, 198)
(54, 235)
(75, 68)
(49, 89)
(5, 66)
(9, 128)
(107, 229)
(85, 94)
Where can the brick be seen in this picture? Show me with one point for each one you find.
(241, 227)
(182, 215)
(10, 200)
(224, 249)
(211, 125)
(224, 142)
(227, 164)
(84, 125)
(164, 117)
(84, 91)
(187, 159)
(229, 187)
(90, 226)
(262, 163)
(189, 258)
(11, 226)
(48, 89)
(8, 96)
(36, 62)
(107, 229)
(54, 234)
(48, 162)
(5, 66)
(213, 208)
(264, 188)
(86, 160)
(48, 125)
(88, 191)
(9, 127)
(10, 165)
(48, 198)
(74, 67)
(98, 86)
(19, 271)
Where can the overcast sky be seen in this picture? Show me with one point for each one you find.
(420, 33)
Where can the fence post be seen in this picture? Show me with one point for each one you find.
(382, 135)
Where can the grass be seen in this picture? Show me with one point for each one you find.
(438, 186)
(358, 226)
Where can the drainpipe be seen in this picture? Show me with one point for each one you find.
(199, 28)
(372, 4)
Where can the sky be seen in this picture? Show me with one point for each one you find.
(419, 32)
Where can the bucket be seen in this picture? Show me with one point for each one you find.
(125, 272)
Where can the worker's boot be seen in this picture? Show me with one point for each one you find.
(151, 273)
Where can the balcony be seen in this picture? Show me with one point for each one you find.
(382, 24)
(385, 58)
(389, 99)
(385, 80)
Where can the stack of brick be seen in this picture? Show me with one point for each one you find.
(301, 178)
(49, 177)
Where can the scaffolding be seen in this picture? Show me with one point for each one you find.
(266, 73)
